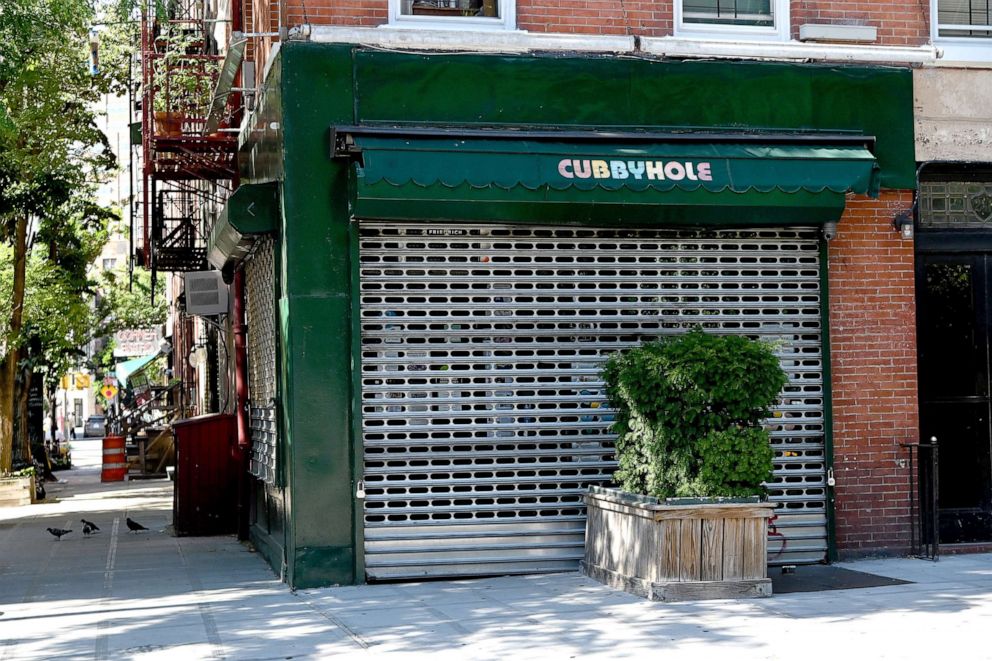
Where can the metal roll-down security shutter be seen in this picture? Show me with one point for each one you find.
(483, 413)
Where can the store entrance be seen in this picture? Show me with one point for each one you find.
(953, 314)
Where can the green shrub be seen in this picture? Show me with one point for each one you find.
(689, 414)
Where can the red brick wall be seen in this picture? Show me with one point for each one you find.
(647, 18)
(899, 23)
(361, 13)
(873, 360)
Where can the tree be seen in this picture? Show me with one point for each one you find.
(51, 154)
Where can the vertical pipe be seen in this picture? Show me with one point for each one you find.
(241, 404)
(913, 516)
(147, 130)
(240, 359)
(935, 498)
(130, 174)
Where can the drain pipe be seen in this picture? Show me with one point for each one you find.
(241, 405)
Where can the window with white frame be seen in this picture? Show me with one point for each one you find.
(478, 14)
(962, 29)
(760, 19)
(964, 18)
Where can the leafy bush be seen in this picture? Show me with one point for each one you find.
(689, 413)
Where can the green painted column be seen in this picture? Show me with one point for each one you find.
(316, 309)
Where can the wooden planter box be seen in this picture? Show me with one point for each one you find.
(16, 491)
(677, 552)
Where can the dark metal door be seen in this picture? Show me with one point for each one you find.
(953, 336)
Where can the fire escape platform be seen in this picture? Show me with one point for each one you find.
(194, 157)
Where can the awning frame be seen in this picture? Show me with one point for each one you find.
(344, 143)
(423, 189)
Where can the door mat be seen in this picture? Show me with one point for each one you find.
(817, 578)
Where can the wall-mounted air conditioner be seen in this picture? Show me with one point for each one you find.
(206, 293)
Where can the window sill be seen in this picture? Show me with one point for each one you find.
(786, 50)
(470, 38)
(964, 52)
(442, 22)
(729, 33)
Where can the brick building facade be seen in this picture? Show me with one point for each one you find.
(388, 73)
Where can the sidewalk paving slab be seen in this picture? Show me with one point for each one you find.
(121, 595)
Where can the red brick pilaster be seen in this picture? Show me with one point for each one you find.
(873, 363)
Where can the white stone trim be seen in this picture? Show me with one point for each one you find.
(515, 41)
(831, 32)
(792, 50)
(519, 41)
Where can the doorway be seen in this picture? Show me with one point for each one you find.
(953, 319)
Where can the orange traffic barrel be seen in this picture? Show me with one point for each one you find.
(114, 459)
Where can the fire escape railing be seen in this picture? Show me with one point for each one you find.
(187, 172)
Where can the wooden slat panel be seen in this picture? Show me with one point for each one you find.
(645, 563)
(755, 540)
(711, 568)
(691, 550)
(733, 549)
(671, 533)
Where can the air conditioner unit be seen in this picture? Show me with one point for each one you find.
(206, 293)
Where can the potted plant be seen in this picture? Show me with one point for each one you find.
(17, 488)
(688, 521)
(168, 121)
(184, 82)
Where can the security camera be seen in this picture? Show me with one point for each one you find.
(829, 230)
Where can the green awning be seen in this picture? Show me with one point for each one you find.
(682, 182)
(251, 210)
(128, 367)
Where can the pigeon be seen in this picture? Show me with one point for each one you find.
(134, 526)
(89, 529)
(93, 527)
(58, 532)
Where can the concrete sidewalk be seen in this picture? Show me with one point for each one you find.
(121, 595)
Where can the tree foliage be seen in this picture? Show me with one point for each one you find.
(689, 414)
(52, 155)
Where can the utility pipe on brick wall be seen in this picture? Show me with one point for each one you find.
(241, 404)
(240, 360)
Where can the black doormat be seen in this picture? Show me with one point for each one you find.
(816, 578)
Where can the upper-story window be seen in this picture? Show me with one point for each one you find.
(756, 19)
(964, 18)
(477, 14)
(963, 28)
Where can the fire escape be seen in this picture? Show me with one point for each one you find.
(188, 171)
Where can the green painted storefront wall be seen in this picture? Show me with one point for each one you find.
(316, 309)
(552, 91)
(263, 162)
(324, 85)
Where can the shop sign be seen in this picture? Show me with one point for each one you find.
(135, 342)
(582, 168)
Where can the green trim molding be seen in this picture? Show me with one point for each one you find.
(313, 86)
(558, 91)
